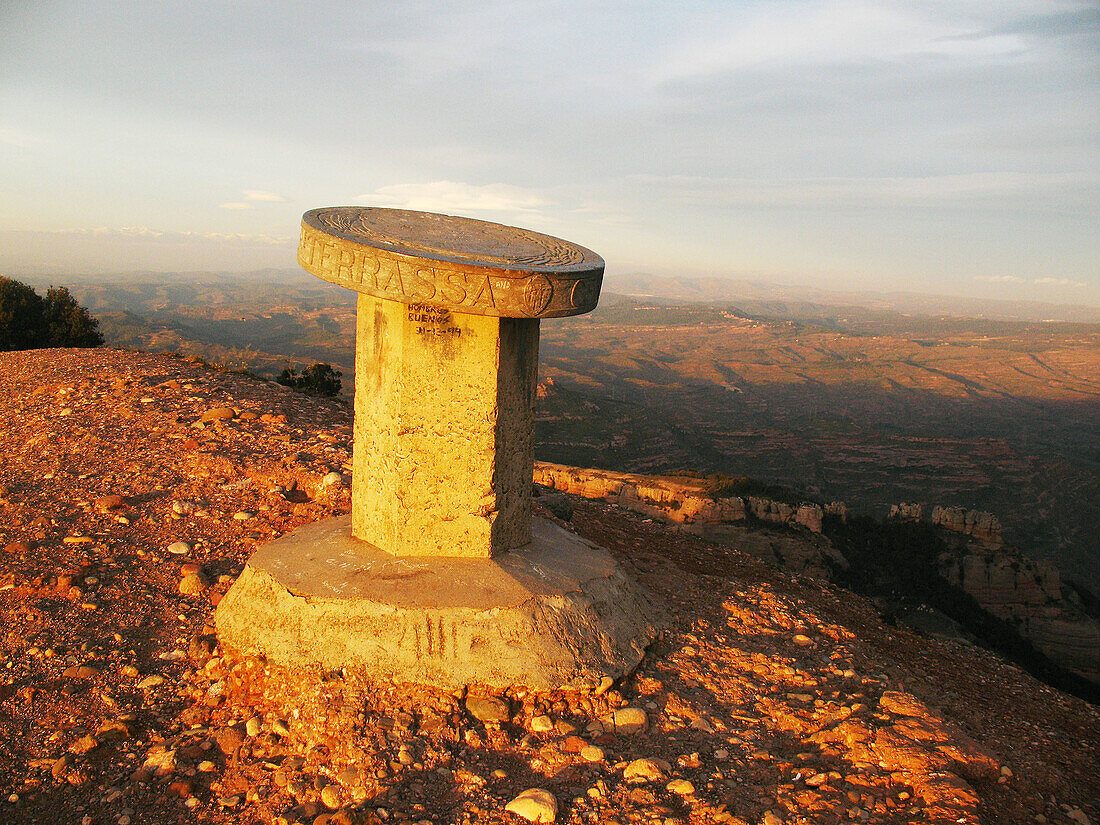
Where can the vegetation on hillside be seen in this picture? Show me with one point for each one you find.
(320, 379)
(29, 321)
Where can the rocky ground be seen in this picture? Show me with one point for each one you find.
(134, 487)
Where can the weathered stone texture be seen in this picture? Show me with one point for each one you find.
(443, 430)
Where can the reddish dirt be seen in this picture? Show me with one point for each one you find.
(769, 698)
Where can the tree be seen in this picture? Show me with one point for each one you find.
(320, 379)
(27, 321)
(21, 316)
(68, 324)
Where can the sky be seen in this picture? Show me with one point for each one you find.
(946, 146)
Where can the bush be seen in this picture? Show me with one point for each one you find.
(320, 379)
(29, 321)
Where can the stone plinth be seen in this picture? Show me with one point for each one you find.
(558, 612)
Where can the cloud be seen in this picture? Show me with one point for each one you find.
(165, 236)
(1000, 279)
(1059, 282)
(832, 32)
(235, 205)
(880, 191)
(453, 196)
(261, 195)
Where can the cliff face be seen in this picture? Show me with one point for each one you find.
(134, 487)
(677, 498)
(1007, 584)
(1026, 592)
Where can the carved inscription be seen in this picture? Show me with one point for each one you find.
(338, 248)
(365, 271)
(434, 321)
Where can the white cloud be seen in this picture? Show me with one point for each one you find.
(235, 205)
(832, 32)
(145, 233)
(1000, 279)
(886, 191)
(453, 196)
(261, 195)
(1059, 282)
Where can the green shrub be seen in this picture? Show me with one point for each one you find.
(320, 379)
(29, 321)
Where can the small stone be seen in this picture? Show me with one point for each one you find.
(332, 796)
(534, 805)
(629, 720)
(541, 724)
(183, 508)
(645, 770)
(179, 548)
(192, 585)
(218, 414)
(771, 819)
(160, 763)
(680, 787)
(487, 709)
(228, 739)
(253, 726)
(243, 515)
(84, 744)
(590, 753)
(112, 502)
(80, 672)
(206, 766)
(151, 681)
(605, 685)
(332, 479)
(802, 641)
(129, 670)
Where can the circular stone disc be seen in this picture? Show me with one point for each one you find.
(466, 265)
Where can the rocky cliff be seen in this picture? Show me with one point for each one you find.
(1011, 586)
(1028, 593)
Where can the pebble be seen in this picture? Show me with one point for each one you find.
(218, 414)
(771, 819)
(179, 548)
(80, 672)
(332, 796)
(629, 720)
(183, 508)
(192, 585)
(151, 681)
(243, 515)
(487, 708)
(206, 766)
(542, 724)
(680, 787)
(801, 640)
(332, 479)
(534, 805)
(111, 502)
(253, 726)
(591, 753)
(645, 770)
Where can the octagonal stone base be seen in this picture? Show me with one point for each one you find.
(556, 612)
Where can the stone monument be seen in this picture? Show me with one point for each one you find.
(441, 575)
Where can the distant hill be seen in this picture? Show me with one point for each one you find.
(800, 301)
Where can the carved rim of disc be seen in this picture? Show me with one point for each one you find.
(466, 265)
(452, 238)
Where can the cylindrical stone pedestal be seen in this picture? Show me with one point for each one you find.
(444, 448)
